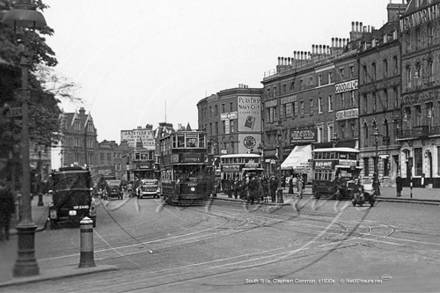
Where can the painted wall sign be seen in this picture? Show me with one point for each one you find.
(304, 135)
(420, 17)
(347, 114)
(249, 114)
(139, 135)
(346, 86)
(229, 115)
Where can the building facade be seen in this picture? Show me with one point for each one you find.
(79, 143)
(232, 120)
(419, 135)
(379, 99)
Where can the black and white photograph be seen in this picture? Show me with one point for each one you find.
(219, 146)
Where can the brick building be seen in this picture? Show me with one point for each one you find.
(420, 125)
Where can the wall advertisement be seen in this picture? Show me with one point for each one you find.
(249, 114)
(139, 135)
(249, 143)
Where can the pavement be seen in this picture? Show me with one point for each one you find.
(430, 196)
(8, 254)
(40, 213)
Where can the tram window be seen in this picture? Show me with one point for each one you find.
(319, 155)
(332, 155)
(352, 156)
(343, 156)
(180, 141)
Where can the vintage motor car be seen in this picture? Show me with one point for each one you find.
(114, 189)
(72, 198)
(148, 187)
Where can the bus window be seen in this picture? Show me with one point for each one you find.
(352, 156)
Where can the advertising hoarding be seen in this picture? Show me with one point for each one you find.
(139, 135)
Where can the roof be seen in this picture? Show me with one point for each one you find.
(342, 150)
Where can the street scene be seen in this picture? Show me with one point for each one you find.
(148, 148)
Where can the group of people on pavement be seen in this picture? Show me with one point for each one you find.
(297, 182)
(254, 188)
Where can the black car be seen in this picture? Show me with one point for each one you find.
(114, 189)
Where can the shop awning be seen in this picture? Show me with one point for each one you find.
(298, 158)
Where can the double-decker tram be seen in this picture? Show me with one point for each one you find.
(186, 171)
(332, 169)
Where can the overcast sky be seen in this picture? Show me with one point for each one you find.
(141, 62)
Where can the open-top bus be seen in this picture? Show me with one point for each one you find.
(186, 171)
(333, 168)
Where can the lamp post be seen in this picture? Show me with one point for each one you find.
(335, 139)
(280, 158)
(376, 162)
(25, 16)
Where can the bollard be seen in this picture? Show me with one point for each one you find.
(40, 199)
(280, 195)
(87, 258)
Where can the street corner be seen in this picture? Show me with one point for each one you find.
(59, 273)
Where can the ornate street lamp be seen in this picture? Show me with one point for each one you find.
(376, 162)
(280, 160)
(25, 16)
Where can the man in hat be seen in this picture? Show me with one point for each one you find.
(7, 208)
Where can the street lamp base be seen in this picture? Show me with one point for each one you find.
(26, 264)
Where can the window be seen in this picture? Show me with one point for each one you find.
(365, 73)
(385, 96)
(429, 107)
(311, 107)
(224, 126)
(417, 37)
(418, 161)
(352, 73)
(342, 101)
(295, 108)
(284, 88)
(330, 77)
(215, 110)
(385, 68)
(330, 133)
(311, 81)
(374, 102)
(373, 71)
(396, 97)
(330, 103)
(292, 85)
(216, 127)
(430, 72)
(366, 167)
(341, 72)
(408, 76)
(365, 134)
(301, 84)
(319, 80)
(430, 34)
(320, 105)
(320, 133)
(223, 108)
(353, 99)
(232, 126)
(418, 114)
(302, 108)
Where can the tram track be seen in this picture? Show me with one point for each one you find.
(353, 233)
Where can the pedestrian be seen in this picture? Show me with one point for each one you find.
(253, 190)
(236, 186)
(283, 181)
(399, 185)
(300, 185)
(273, 185)
(7, 208)
(291, 184)
(228, 183)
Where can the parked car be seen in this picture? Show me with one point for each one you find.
(72, 198)
(114, 189)
(148, 187)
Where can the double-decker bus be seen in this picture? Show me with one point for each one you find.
(234, 165)
(186, 171)
(332, 169)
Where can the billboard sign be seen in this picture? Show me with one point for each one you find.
(139, 135)
(249, 114)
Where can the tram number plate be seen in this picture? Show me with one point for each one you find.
(192, 184)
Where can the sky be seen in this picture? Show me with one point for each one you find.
(139, 62)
